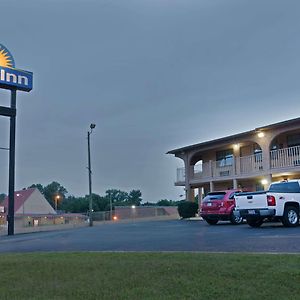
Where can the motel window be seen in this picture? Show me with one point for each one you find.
(293, 140)
(224, 158)
(257, 154)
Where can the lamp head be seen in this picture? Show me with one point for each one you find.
(92, 126)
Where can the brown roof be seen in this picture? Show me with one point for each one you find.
(235, 136)
(20, 198)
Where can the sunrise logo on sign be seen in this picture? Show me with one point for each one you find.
(10, 77)
(6, 59)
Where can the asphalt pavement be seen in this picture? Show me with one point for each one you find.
(169, 235)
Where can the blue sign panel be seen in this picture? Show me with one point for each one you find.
(15, 79)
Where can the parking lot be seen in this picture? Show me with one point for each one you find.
(169, 235)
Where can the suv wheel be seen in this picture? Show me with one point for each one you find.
(290, 216)
(254, 222)
(212, 221)
(235, 220)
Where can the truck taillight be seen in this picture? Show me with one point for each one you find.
(271, 200)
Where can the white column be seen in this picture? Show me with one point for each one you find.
(200, 193)
(235, 184)
(190, 194)
(211, 186)
(236, 159)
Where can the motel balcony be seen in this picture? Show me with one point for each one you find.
(286, 159)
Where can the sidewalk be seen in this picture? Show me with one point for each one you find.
(158, 218)
(21, 230)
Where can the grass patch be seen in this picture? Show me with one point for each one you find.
(149, 276)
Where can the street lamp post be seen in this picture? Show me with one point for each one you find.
(92, 126)
(57, 197)
(133, 212)
(110, 206)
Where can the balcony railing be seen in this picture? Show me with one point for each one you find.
(220, 170)
(287, 157)
(180, 175)
(251, 164)
(281, 158)
(203, 170)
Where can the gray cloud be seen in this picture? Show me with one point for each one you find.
(153, 76)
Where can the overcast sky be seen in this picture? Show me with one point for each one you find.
(153, 75)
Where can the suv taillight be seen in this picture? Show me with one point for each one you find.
(229, 203)
(271, 200)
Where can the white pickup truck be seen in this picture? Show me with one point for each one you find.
(280, 202)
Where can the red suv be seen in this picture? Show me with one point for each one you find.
(218, 206)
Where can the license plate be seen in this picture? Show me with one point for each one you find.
(251, 212)
(209, 204)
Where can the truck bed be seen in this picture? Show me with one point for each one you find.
(251, 200)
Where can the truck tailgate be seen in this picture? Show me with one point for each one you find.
(251, 200)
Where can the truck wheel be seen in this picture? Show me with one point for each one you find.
(254, 222)
(235, 220)
(290, 216)
(212, 221)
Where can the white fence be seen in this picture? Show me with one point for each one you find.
(251, 164)
(221, 171)
(281, 158)
(287, 157)
(180, 174)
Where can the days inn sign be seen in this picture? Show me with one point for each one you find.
(10, 77)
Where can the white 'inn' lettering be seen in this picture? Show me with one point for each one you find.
(13, 78)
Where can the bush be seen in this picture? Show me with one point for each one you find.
(187, 209)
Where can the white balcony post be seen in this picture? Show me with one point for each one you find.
(211, 174)
(237, 161)
(266, 161)
(233, 166)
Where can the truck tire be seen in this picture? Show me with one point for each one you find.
(253, 222)
(235, 220)
(212, 221)
(290, 216)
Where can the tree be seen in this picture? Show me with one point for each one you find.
(165, 202)
(135, 197)
(38, 186)
(75, 204)
(117, 197)
(2, 197)
(100, 203)
(149, 204)
(53, 189)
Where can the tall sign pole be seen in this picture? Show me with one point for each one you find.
(12, 79)
(11, 176)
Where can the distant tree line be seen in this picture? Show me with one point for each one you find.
(81, 204)
(75, 204)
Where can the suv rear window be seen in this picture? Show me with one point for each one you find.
(214, 196)
(285, 187)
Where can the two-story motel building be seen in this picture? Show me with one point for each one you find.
(248, 160)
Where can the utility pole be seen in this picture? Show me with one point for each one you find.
(92, 126)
